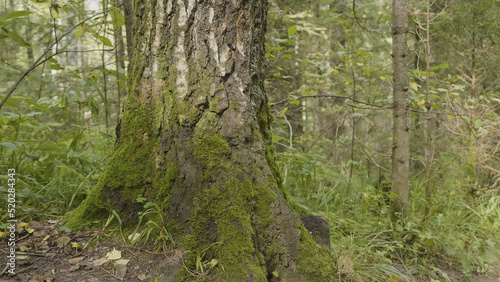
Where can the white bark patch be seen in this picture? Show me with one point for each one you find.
(220, 58)
(182, 13)
(241, 88)
(169, 6)
(181, 66)
(211, 15)
(190, 6)
(160, 17)
(215, 48)
(224, 56)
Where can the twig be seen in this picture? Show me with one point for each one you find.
(329, 96)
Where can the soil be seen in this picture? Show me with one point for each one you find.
(44, 253)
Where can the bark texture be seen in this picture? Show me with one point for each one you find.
(401, 126)
(195, 136)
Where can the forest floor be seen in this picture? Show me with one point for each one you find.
(46, 254)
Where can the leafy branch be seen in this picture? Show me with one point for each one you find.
(43, 58)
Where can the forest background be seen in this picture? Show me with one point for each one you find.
(329, 82)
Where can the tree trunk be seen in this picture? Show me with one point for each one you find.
(401, 127)
(195, 137)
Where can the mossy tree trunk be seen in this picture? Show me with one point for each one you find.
(401, 109)
(195, 136)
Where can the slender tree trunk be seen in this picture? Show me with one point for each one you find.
(195, 137)
(401, 127)
(119, 63)
(429, 128)
(129, 18)
(471, 159)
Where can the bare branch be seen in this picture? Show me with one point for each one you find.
(329, 96)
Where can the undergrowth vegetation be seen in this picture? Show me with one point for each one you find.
(57, 162)
(368, 247)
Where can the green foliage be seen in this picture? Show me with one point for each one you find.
(56, 163)
(154, 229)
(365, 242)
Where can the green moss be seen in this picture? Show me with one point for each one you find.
(131, 167)
(90, 207)
(226, 208)
(314, 259)
(165, 185)
(265, 118)
(210, 150)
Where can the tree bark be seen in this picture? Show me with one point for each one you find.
(195, 137)
(401, 109)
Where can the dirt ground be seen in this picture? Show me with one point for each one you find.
(45, 254)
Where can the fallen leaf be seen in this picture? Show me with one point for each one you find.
(133, 238)
(75, 245)
(122, 261)
(40, 233)
(22, 224)
(121, 270)
(101, 261)
(29, 229)
(21, 256)
(75, 260)
(62, 241)
(114, 254)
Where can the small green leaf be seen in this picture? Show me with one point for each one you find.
(478, 123)
(8, 145)
(294, 101)
(277, 138)
(118, 18)
(79, 31)
(55, 67)
(49, 170)
(275, 273)
(65, 229)
(18, 39)
(292, 30)
(106, 41)
(55, 13)
(17, 14)
(413, 85)
(283, 111)
(3, 36)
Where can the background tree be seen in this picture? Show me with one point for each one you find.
(401, 123)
